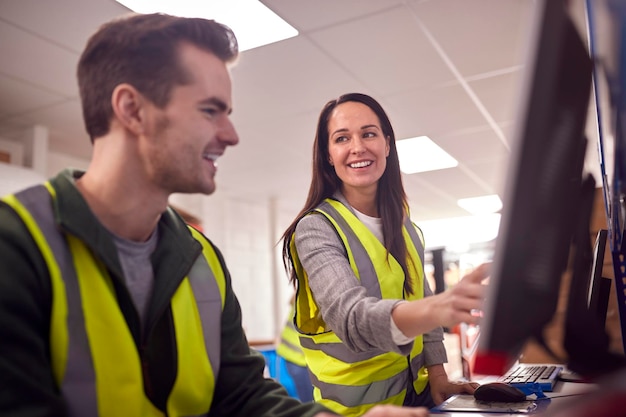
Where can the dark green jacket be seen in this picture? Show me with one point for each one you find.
(27, 387)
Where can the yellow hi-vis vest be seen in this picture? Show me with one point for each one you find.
(351, 383)
(289, 343)
(95, 361)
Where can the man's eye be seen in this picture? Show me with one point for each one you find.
(209, 111)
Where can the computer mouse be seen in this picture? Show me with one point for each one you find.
(499, 392)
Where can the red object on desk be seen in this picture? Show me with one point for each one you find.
(492, 363)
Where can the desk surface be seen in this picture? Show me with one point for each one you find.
(563, 393)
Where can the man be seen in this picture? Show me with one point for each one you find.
(109, 304)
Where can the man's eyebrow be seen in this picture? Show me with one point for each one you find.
(220, 104)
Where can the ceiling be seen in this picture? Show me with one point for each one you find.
(449, 69)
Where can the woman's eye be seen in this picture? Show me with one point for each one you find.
(340, 139)
(369, 135)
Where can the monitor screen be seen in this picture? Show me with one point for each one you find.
(543, 189)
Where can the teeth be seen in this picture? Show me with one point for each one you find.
(212, 157)
(361, 164)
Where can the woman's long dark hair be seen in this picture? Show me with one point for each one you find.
(391, 199)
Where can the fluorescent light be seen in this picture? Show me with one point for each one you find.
(481, 205)
(421, 154)
(460, 231)
(254, 23)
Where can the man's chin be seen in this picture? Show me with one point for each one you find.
(206, 189)
(206, 186)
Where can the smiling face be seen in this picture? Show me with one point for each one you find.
(357, 148)
(184, 139)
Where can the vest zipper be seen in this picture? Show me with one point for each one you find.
(145, 371)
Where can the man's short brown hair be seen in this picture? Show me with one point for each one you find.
(142, 50)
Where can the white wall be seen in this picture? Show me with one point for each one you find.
(14, 178)
(58, 162)
(246, 232)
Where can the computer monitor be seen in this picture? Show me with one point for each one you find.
(607, 44)
(598, 286)
(544, 187)
(607, 20)
(586, 340)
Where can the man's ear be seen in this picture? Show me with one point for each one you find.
(129, 108)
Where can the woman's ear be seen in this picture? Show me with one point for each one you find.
(388, 147)
(128, 107)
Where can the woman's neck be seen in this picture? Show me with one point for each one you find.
(364, 202)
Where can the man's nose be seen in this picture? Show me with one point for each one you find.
(228, 134)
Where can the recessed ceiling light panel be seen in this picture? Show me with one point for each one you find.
(254, 23)
(421, 154)
(481, 205)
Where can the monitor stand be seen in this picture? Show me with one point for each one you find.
(586, 340)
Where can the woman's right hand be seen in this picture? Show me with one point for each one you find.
(459, 304)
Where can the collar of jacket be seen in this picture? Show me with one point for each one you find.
(172, 259)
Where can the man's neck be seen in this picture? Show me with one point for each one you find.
(128, 212)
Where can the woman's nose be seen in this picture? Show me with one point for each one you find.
(358, 146)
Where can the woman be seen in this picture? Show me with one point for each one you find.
(370, 327)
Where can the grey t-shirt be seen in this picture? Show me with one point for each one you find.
(137, 268)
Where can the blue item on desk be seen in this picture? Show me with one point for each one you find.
(531, 388)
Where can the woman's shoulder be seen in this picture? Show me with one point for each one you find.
(312, 221)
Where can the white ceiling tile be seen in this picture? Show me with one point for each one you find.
(453, 182)
(476, 145)
(479, 35)
(67, 23)
(493, 172)
(37, 61)
(386, 51)
(19, 97)
(286, 78)
(306, 15)
(498, 94)
(433, 111)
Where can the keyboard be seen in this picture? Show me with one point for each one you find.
(525, 376)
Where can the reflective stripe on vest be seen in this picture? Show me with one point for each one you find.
(345, 381)
(94, 357)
